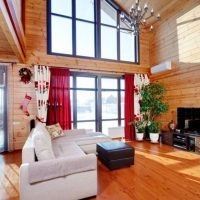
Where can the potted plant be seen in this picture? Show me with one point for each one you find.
(139, 127)
(154, 131)
(152, 105)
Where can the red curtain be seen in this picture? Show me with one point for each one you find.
(59, 98)
(129, 106)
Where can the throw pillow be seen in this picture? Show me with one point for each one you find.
(55, 130)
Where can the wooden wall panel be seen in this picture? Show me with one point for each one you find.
(36, 53)
(19, 123)
(177, 39)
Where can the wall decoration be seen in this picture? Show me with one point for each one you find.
(25, 103)
(25, 75)
(42, 79)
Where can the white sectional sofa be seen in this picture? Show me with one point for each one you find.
(67, 166)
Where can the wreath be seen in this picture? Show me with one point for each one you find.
(25, 75)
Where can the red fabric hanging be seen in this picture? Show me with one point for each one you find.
(59, 98)
(129, 106)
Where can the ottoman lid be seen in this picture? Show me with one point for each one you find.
(114, 145)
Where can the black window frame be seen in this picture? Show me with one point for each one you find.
(98, 100)
(97, 33)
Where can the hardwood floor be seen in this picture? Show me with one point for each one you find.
(160, 172)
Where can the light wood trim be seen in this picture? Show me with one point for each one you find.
(9, 32)
(16, 22)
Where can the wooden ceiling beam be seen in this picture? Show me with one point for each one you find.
(10, 34)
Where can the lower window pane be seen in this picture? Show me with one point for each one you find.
(71, 103)
(127, 50)
(109, 105)
(108, 124)
(86, 125)
(85, 39)
(122, 123)
(108, 42)
(85, 105)
(61, 38)
(122, 104)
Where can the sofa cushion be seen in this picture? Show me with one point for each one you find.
(55, 130)
(75, 131)
(42, 143)
(67, 149)
(46, 170)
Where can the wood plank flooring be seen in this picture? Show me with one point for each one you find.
(160, 172)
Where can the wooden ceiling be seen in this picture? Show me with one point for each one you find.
(159, 6)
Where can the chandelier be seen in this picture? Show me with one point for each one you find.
(138, 16)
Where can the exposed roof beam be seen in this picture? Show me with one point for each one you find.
(10, 34)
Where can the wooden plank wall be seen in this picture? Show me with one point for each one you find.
(36, 38)
(177, 38)
(18, 122)
(36, 53)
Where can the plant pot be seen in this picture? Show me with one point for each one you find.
(139, 136)
(154, 137)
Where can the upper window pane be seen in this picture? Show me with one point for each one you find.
(85, 9)
(85, 39)
(85, 82)
(108, 14)
(108, 83)
(62, 7)
(108, 42)
(61, 35)
(127, 42)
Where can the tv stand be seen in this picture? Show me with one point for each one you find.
(181, 141)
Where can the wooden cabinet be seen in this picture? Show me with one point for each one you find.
(197, 144)
(167, 138)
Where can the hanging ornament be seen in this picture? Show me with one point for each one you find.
(25, 75)
(25, 103)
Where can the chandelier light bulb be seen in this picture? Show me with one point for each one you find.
(137, 17)
(152, 12)
(146, 7)
(158, 16)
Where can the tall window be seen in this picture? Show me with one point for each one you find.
(89, 28)
(97, 102)
(3, 110)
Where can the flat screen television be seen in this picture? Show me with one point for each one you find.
(188, 119)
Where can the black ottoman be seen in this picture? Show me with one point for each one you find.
(115, 154)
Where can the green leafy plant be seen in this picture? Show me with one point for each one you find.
(152, 104)
(154, 127)
(139, 125)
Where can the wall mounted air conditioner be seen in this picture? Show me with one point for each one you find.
(164, 66)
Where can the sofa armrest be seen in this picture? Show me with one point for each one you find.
(50, 169)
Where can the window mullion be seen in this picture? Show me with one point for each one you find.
(137, 48)
(99, 105)
(74, 27)
(119, 101)
(74, 103)
(97, 29)
(118, 35)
